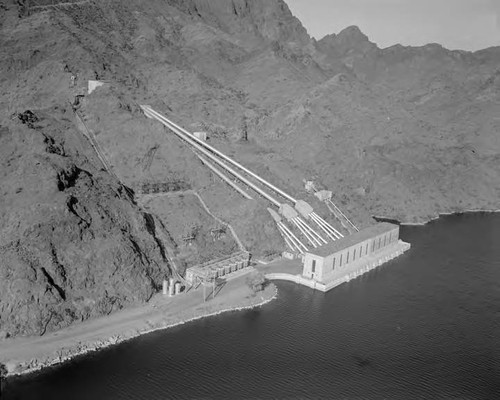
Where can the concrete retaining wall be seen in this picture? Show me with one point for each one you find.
(296, 279)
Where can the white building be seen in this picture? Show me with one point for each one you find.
(353, 255)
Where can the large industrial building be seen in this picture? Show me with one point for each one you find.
(344, 259)
(335, 257)
(332, 264)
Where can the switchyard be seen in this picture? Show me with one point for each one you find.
(209, 271)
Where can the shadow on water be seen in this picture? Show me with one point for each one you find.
(362, 362)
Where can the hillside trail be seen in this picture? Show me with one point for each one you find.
(145, 197)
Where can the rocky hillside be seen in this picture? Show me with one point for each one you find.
(73, 243)
(402, 132)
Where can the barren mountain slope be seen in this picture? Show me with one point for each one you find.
(72, 243)
(402, 132)
(381, 158)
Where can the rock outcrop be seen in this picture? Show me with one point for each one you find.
(402, 132)
(73, 245)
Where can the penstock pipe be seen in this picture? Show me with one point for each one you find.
(155, 115)
(222, 155)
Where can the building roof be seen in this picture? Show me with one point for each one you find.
(350, 240)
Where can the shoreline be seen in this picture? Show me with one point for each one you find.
(58, 354)
(163, 318)
(434, 218)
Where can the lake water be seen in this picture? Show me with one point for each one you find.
(424, 326)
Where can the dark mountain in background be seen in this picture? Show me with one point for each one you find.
(403, 132)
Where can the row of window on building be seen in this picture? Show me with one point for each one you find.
(363, 249)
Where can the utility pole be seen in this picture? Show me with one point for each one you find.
(204, 292)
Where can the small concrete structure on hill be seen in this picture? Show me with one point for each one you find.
(93, 85)
(332, 264)
(201, 135)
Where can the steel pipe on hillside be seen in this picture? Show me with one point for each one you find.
(224, 178)
(311, 231)
(287, 239)
(153, 113)
(327, 225)
(342, 221)
(343, 215)
(94, 143)
(302, 245)
(322, 223)
(335, 232)
(222, 155)
(307, 235)
(288, 243)
(311, 235)
(330, 235)
(340, 235)
(298, 244)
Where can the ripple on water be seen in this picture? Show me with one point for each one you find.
(423, 326)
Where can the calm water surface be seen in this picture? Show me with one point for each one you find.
(424, 326)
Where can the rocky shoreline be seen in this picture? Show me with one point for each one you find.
(439, 215)
(66, 354)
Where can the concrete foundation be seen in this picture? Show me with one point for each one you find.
(93, 85)
(201, 135)
(323, 195)
(303, 208)
(288, 212)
